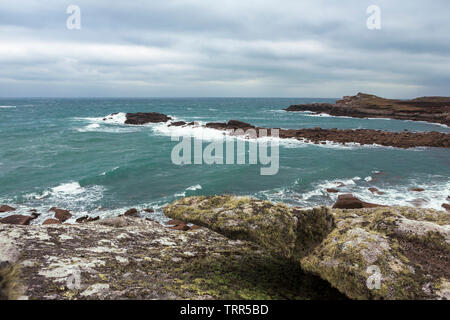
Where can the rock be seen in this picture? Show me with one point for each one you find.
(61, 214)
(131, 258)
(408, 249)
(181, 227)
(82, 219)
(420, 202)
(446, 206)
(175, 222)
(51, 221)
(90, 219)
(416, 189)
(5, 208)
(430, 109)
(146, 117)
(349, 201)
(332, 190)
(131, 213)
(177, 124)
(17, 219)
(375, 191)
(148, 210)
(35, 215)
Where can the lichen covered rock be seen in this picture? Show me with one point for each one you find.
(406, 249)
(133, 258)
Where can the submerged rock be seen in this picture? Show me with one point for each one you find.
(406, 249)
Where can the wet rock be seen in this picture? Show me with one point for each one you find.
(131, 213)
(149, 210)
(6, 208)
(51, 221)
(35, 215)
(61, 214)
(181, 227)
(420, 202)
(446, 206)
(416, 189)
(349, 201)
(141, 118)
(375, 191)
(177, 124)
(17, 219)
(332, 190)
(82, 219)
(408, 248)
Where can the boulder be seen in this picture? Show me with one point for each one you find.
(177, 124)
(149, 210)
(61, 214)
(332, 190)
(141, 118)
(367, 253)
(131, 213)
(6, 208)
(446, 206)
(17, 219)
(349, 201)
(51, 221)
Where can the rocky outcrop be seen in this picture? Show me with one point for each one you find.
(133, 258)
(404, 139)
(430, 109)
(367, 253)
(61, 214)
(141, 118)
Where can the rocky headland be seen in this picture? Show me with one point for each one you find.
(238, 248)
(430, 109)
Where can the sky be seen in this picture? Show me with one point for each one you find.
(229, 48)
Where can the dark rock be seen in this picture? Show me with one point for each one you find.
(34, 215)
(5, 208)
(61, 214)
(332, 190)
(446, 206)
(349, 201)
(17, 219)
(181, 227)
(82, 219)
(146, 117)
(132, 213)
(175, 222)
(177, 124)
(149, 210)
(51, 221)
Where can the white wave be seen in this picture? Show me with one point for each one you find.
(368, 179)
(7, 107)
(108, 171)
(193, 188)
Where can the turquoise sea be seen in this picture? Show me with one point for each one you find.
(60, 152)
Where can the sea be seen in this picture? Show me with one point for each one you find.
(61, 153)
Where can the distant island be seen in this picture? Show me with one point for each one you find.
(429, 109)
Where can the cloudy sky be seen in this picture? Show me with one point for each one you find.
(239, 48)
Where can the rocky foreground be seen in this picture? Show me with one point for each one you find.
(430, 109)
(245, 249)
(403, 139)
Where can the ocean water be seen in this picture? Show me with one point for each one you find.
(60, 152)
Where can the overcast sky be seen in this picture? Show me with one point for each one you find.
(239, 48)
